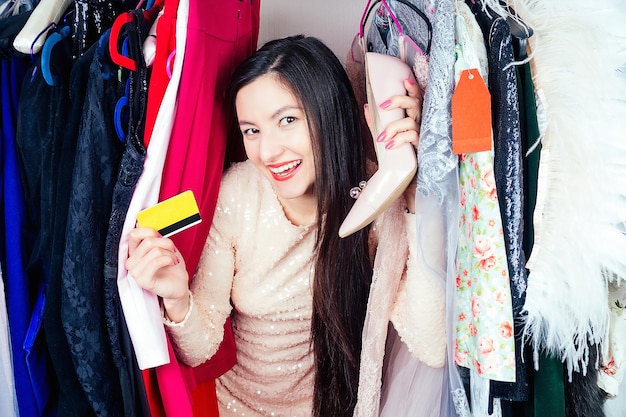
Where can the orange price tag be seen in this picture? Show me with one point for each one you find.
(471, 114)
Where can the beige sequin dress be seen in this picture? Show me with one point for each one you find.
(257, 268)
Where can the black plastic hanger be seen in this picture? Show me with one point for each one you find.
(520, 31)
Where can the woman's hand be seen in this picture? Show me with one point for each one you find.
(404, 130)
(157, 266)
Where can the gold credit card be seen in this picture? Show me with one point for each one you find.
(172, 215)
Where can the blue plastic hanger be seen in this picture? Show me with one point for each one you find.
(46, 54)
(120, 116)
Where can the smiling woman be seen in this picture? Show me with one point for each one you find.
(277, 141)
(273, 262)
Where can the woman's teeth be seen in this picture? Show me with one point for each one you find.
(286, 167)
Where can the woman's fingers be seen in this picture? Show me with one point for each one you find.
(407, 129)
(159, 269)
(401, 131)
(156, 265)
(137, 235)
(411, 102)
(411, 105)
(149, 259)
(412, 89)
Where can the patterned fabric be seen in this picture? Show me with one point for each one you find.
(98, 154)
(414, 368)
(71, 397)
(484, 327)
(434, 152)
(119, 339)
(130, 168)
(508, 171)
(436, 201)
(484, 313)
(507, 142)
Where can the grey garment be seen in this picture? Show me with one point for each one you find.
(434, 152)
(437, 200)
(382, 36)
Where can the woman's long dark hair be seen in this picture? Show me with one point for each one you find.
(343, 271)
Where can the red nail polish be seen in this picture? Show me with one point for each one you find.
(389, 145)
(410, 81)
(385, 104)
(382, 136)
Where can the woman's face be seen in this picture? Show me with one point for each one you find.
(276, 137)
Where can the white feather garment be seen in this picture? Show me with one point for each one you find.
(579, 220)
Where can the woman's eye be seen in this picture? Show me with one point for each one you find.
(287, 120)
(249, 131)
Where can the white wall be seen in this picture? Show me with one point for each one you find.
(335, 22)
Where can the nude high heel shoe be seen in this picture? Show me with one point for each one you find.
(385, 77)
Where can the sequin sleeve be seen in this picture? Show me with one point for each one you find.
(199, 336)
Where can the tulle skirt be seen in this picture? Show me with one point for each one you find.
(410, 387)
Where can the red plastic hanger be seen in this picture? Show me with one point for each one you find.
(114, 44)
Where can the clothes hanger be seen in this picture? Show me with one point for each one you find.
(519, 28)
(368, 10)
(421, 14)
(46, 55)
(51, 26)
(121, 116)
(520, 31)
(33, 35)
(114, 38)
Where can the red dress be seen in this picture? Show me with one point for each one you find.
(220, 34)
